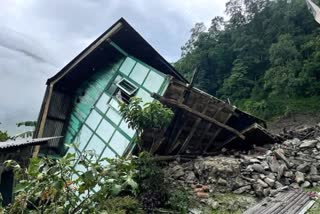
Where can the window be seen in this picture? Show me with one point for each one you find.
(125, 91)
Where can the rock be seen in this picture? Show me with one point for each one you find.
(258, 189)
(223, 182)
(308, 144)
(262, 176)
(242, 189)
(223, 150)
(306, 184)
(266, 192)
(303, 167)
(265, 165)
(273, 164)
(212, 203)
(269, 181)
(271, 176)
(313, 170)
(177, 171)
(257, 168)
(280, 171)
(254, 160)
(262, 183)
(195, 211)
(276, 191)
(278, 185)
(293, 142)
(314, 178)
(318, 146)
(279, 153)
(190, 177)
(299, 177)
(288, 174)
(295, 186)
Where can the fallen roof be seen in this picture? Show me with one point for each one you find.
(291, 202)
(24, 142)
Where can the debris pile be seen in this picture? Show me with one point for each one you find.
(263, 171)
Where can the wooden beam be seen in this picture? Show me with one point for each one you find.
(208, 126)
(193, 129)
(196, 113)
(216, 134)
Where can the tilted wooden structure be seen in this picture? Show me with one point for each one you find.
(204, 124)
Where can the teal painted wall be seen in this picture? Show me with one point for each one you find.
(95, 122)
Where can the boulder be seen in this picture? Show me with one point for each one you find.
(308, 144)
(273, 164)
(258, 168)
(222, 182)
(242, 189)
(303, 167)
(269, 181)
(306, 184)
(262, 183)
(299, 177)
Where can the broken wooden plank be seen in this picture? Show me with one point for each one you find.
(254, 129)
(196, 113)
(193, 129)
(216, 134)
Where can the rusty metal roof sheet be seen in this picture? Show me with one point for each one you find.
(291, 202)
(25, 142)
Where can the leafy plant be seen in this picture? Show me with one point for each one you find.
(178, 200)
(4, 136)
(59, 186)
(151, 116)
(28, 133)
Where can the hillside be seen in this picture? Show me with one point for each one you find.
(265, 58)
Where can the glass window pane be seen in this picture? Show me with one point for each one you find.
(146, 97)
(124, 126)
(113, 116)
(119, 143)
(83, 137)
(127, 66)
(115, 104)
(153, 81)
(139, 73)
(96, 145)
(102, 104)
(108, 153)
(105, 130)
(93, 119)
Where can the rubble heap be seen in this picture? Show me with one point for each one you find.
(263, 171)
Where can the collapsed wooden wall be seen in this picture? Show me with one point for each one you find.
(202, 123)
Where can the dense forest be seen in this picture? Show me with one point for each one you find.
(265, 58)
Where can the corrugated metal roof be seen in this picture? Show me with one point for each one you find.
(25, 142)
(291, 202)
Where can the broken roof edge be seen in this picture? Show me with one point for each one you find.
(103, 37)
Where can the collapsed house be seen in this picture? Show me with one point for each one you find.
(81, 103)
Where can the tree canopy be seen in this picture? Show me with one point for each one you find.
(266, 50)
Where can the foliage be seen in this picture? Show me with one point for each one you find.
(153, 190)
(178, 200)
(28, 133)
(265, 51)
(94, 186)
(152, 116)
(4, 136)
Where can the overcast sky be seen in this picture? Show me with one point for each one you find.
(38, 37)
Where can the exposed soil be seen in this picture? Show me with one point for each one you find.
(291, 122)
